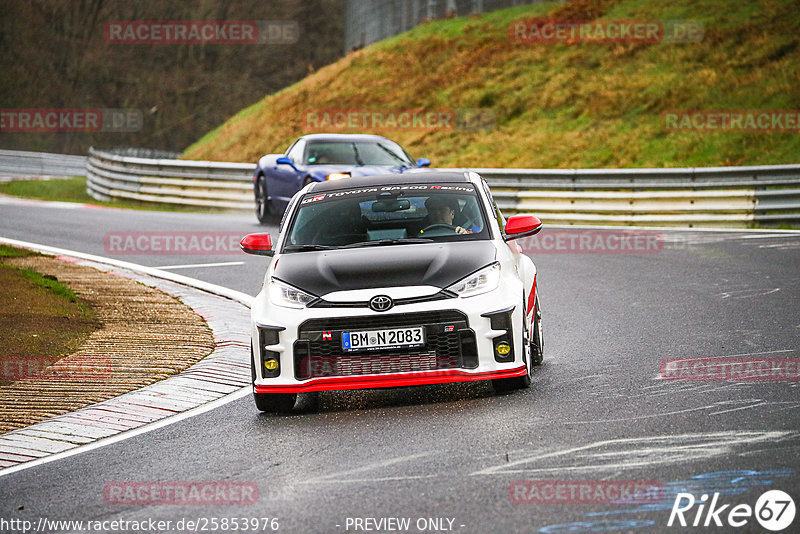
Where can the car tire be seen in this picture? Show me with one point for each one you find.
(537, 341)
(307, 181)
(271, 402)
(275, 402)
(503, 385)
(264, 209)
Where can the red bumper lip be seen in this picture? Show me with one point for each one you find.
(389, 381)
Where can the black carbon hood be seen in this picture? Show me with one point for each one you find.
(430, 264)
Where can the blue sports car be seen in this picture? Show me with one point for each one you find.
(321, 157)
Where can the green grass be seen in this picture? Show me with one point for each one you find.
(67, 189)
(41, 319)
(7, 251)
(56, 288)
(558, 105)
(47, 282)
(74, 190)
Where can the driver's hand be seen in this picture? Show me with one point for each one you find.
(462, 231)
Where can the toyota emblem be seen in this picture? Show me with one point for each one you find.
(380, 303)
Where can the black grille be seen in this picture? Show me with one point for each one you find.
(320, 303)
(372, 364)
(369, 322)
(449, 343)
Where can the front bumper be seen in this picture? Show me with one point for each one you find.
(389, 380)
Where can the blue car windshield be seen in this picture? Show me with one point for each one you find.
(387, 215)
(356, 153)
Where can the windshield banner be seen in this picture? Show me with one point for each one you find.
(412, 188)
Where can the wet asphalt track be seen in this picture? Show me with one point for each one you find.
(596, 410)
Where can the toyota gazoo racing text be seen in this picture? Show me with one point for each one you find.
(383, 281)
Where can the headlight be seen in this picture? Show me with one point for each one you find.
(483, 281)
(337, 175)
(288, 296)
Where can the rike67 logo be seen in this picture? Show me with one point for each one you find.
(774, 510)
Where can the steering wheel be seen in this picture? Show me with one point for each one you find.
(439, 225)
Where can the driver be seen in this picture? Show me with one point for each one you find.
(442, 210)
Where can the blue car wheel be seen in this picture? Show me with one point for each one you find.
(265, 212)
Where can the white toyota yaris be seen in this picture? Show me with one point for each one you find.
(386, 281)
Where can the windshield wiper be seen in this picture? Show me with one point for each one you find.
(358, 158)
(403, 163)
(306, 248)
(384, 242)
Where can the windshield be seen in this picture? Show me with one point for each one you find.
(387, 215)
(357, 153)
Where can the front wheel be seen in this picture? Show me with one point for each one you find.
(537, 342)
(270, 402)
(502, 385)
(275, 402)
(264, 209)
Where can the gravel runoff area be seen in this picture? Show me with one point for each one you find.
(163, 348)
(146, 336)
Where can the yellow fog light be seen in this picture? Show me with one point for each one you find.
(503, 349)
(271, 364)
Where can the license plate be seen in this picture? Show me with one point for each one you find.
(390, 338)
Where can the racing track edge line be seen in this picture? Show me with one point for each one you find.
(208, 287)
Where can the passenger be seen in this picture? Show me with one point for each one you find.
(345, 228)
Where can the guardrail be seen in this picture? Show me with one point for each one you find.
(712, 196)
(704, 196)
(210, 184)
(20, 163)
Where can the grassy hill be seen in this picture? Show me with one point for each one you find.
(556, 105)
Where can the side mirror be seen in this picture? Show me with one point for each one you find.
(521, 226)
(423, 162)
(283, 160)
(259, 244)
